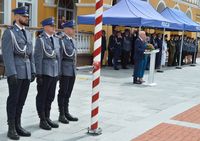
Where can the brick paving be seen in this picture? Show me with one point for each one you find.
(170, 132)
(192, 115)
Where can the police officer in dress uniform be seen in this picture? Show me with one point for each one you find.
(20, 69)
(68, 72)
(47, 56)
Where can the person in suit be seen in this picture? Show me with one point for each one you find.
(177, 50)
(117, 49)
(172, 49)
(159, 54)
(103, 47)
(153, 41)
(18, 58)
(134, 37)
(140, 46)
(47, 57)
(126, 48)
(111, 48)
(68, 53)
(184, 50)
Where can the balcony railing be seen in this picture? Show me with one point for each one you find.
(194, 2)
(83, 40)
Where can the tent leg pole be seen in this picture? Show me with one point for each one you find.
(161, 69)
(140, 28)
(180, 55)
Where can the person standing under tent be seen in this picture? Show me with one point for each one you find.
(164, 51)
(103, 46)
(140, 46)
(134, 37)
(126, 48)
(117, 49)
(111, 44)
(177, 50)
(172, 49)
(159, 54)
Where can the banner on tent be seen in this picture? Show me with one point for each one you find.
(165, 24)
(198, 28)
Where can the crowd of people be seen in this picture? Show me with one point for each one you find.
(121, 48)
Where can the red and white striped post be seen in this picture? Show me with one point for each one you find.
(94, 128)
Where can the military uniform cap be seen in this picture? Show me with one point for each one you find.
(69, 24)
(48, 21)
(21, 11)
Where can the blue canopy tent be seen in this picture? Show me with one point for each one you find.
(132, 13)
(178, 16)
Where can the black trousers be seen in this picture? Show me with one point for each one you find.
(158, 60)
(17, 97)
(102, 57)
(176, 58)
(110, 58)
(125, 58)
(65, 90)
(46, 94)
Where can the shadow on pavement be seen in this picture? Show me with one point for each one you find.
(78, 138)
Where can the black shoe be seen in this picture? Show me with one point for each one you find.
(116, 68)
(63, 119)
(12, 134)
(124, 67)
(51, 123)
(137, 82)
(70, 117)
(22, 132)
(44, 125)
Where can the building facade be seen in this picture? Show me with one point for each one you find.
(69, 9)
(64, 10)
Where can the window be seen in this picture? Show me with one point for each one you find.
(161, 7)
(1, 11)
(50, 2)
(29, 5)
(65, 11)
(189, 14)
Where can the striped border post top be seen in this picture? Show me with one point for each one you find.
(94, 128)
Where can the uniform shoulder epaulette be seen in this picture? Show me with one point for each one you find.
(40, 36)
(10, 27)
(59, 35)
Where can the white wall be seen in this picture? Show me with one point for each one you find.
(7, 11)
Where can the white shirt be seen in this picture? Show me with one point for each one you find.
(140, 38)
(68, 36)
(48, 35)
(23, 27)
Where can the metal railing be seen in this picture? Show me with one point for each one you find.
(194, 2)
(82, 39)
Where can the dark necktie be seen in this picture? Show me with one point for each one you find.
(24, 33)
(72, 42)
(51, 38)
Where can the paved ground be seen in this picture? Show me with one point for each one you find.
(127, 111)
